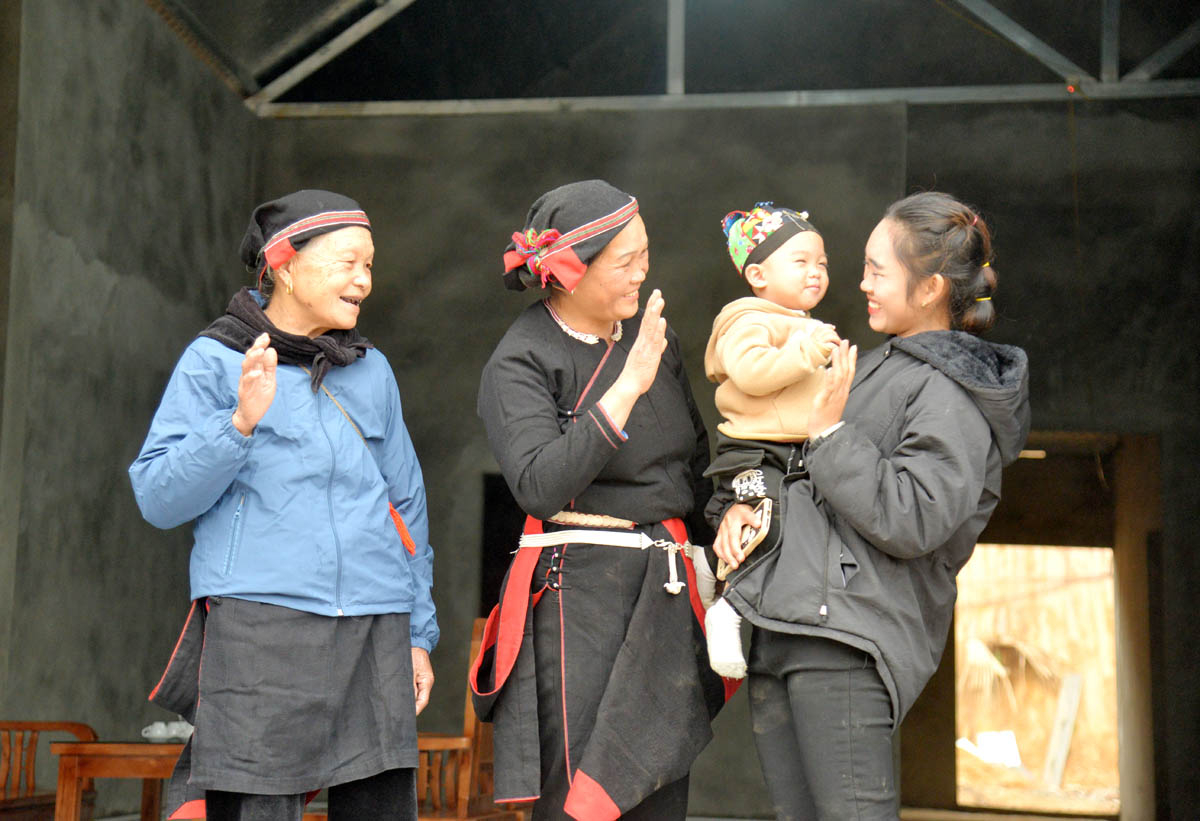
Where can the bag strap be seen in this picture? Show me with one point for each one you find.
(405, 537)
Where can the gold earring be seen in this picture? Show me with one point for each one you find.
(289, 287)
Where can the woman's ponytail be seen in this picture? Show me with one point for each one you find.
(940, 235)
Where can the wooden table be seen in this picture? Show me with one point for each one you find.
(79, 761)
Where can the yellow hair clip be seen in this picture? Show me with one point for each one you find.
(983, 299)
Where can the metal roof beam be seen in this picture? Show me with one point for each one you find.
(1011, 30)
(307, 30)
(1110, 24)
(936, 95)
(202, 43)
(675, 46)
(306, 67)
(1153, 65)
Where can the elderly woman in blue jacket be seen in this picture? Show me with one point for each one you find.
(280, 435)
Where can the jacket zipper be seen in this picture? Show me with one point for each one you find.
(235, 533)
(337, 543)
(823, 609)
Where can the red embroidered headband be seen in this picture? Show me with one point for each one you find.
(280, 249)
(549, 248)
(281, 227)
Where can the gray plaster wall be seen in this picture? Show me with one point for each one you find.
(10, 52)
(133, 182)
(445, 195)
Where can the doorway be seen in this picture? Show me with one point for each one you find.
(1070, 490)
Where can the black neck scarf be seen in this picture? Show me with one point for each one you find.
(244, 321)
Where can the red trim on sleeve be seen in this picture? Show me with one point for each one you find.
(603, 432)
(588, 801)
(603, 410)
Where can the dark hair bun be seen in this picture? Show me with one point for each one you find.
(941, 235)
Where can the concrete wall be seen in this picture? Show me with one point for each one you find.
(10, 52)
(133, 170)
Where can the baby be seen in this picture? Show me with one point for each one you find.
(766, 355)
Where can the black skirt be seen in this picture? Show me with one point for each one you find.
(291, 701)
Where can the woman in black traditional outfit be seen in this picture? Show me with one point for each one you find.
(594, 668)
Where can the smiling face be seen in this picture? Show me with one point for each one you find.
(608, 291)
(891, 307)
(329, 277)
(795, 275)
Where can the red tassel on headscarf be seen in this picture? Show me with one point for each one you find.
(531, 248)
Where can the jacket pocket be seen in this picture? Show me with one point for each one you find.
(791, 584)
(848, 564)
(235, 534)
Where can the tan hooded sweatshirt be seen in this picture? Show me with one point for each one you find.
(766, 361)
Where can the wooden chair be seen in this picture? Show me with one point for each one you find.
(454, 776)
(19, 799)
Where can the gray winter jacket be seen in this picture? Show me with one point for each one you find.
(894, 500)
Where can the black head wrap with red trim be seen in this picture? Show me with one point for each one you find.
(280, 228)
(564, 231)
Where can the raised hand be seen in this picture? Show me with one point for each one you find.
(641, 365)
(256, 387)
(830, 400)
(646, 352)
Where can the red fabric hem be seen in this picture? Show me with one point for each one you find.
(190, 809)
(588, 801)
(178, 641)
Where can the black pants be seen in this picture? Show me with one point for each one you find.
(388, 796)
(822, 724)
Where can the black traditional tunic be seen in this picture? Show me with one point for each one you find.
(596, 677)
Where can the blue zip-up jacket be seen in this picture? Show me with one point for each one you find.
(297, 513)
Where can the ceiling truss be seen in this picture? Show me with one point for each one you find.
(1141, 82)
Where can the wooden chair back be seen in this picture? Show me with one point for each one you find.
(454, 776)
(19, 797)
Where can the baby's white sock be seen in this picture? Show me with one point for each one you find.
(724, 628)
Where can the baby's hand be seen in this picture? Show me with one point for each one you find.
(826, 338)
